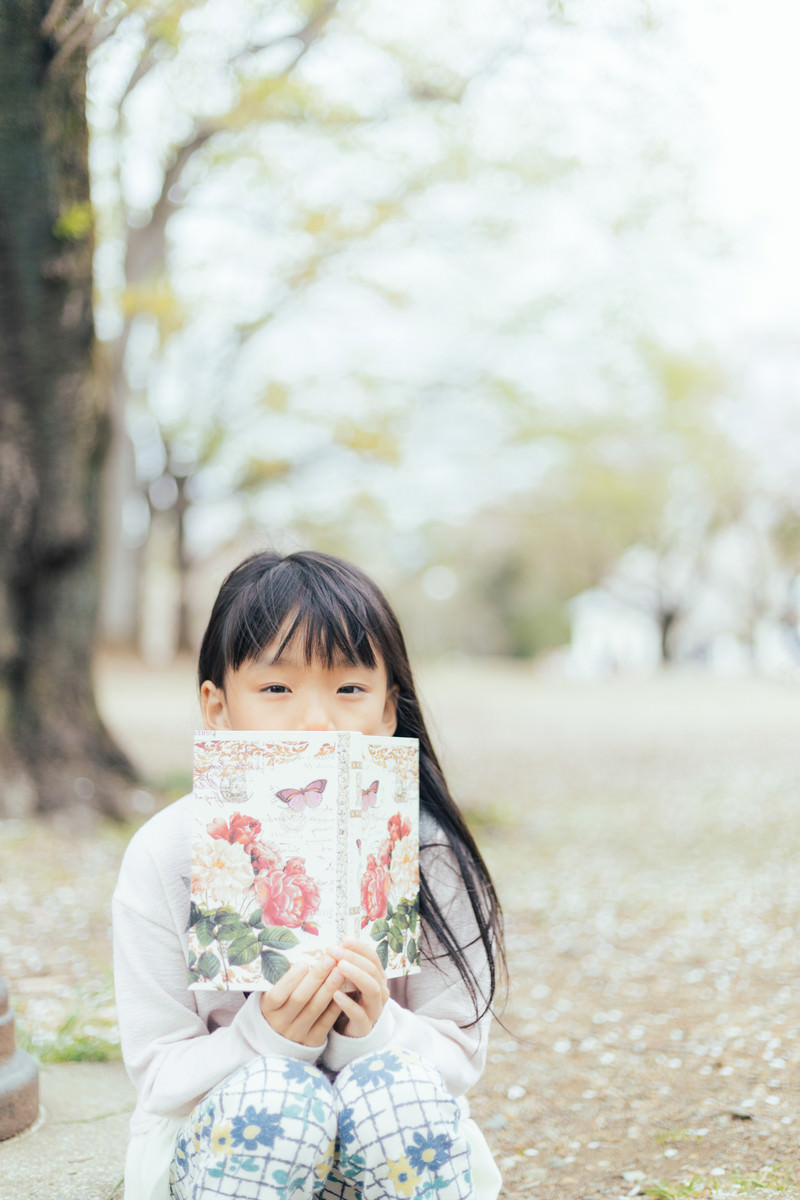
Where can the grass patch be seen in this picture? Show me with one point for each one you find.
(773, 1180)
(696, 1186)
(665, 1136)
(781, 1178)
(71, 1042)
(488, 817)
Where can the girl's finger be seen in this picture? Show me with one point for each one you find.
(280, 992)
(294, 1011)
(324, 1024)
(372, 993)
(360, 955)
(367, 967)
(312, 1023)
(358, 1021)
(301, 988)
(364, 950)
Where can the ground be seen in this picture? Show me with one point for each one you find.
(643, 835)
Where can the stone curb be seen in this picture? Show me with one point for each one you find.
(75, 1150)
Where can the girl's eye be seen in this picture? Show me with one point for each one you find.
(351, 689)
(275, 689)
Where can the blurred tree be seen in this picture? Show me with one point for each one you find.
(54, 751)
(346, 248)
(665, 488)
(216, 94)
(223, 92)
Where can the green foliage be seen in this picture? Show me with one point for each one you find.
(72, 1042)
(237, 941)
(397, 932)
(74, 223)
(273, 965)
(774, 1179)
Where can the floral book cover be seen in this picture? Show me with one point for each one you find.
(298, 840)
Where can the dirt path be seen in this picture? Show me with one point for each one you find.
(644, 836)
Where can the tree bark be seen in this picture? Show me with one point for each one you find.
(54, 750)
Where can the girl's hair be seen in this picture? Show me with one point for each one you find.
(340, 615)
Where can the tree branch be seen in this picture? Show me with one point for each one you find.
(79, 16)
(144, 66)
(77, 30)
(309, 33)
(52, 17)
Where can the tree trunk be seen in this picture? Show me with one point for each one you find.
(666, 623)
(54, 751)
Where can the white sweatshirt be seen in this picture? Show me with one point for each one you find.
(179, 1044)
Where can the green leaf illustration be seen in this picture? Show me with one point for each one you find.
(395, 939)
(208, 965)
(243, 950)
(255, 918)
(195, 913)
(204, 929)
(231, 927)
(412, 951)
(278, 935)
(379, 930)
(382, 950)
(273, 965)
(226, 917)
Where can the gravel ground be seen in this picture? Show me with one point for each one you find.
(643, 835)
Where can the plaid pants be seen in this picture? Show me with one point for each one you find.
(277, 1129)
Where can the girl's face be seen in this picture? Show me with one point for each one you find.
(292, 694)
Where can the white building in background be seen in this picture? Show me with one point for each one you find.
(736, 615)
(610, 637)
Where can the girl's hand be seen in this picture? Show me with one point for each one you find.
(361, 967)
(301, 1005)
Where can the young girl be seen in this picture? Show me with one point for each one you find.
(336, 1083)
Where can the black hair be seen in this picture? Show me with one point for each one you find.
(341, 615)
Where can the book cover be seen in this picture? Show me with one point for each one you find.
(298, 840)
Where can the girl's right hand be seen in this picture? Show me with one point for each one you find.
(300, 1007)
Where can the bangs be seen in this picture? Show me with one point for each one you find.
(324, 616)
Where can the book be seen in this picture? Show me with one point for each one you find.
(299, 840)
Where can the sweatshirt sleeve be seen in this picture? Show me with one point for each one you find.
(431, 1012)
(172, 1055)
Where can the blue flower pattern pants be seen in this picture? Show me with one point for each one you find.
(277, 1129)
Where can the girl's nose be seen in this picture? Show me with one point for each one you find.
(315, 716)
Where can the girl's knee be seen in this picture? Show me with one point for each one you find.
(273, 1121)
(401, 1071)
(400, 1130)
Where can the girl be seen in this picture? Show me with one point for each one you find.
(336, 1083)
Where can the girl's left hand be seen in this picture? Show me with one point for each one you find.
(361, 1008)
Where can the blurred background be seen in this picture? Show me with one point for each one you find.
(497, 300)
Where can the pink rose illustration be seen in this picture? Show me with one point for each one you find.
(219, 829)
(398, 827)
(242, 829)
(264, 858)
(374, 890)
(288, 897)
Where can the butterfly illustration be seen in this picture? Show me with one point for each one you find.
(308, 797)
(370, 795)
